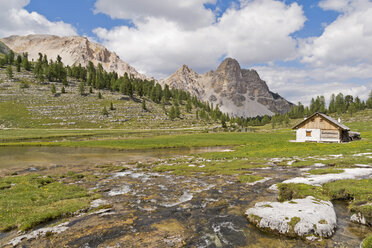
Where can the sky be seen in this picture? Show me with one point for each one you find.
(300, 48)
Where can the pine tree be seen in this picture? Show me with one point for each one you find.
(172, 113)
(177, 111)
(100, 95)
(81, 88)
(53, 89)
(63, 91)
(369, 101)
(188, 106)
(9, 72)
(105, 112)
(112, 106)
(144, 104)
(64, 82)
(223, 123)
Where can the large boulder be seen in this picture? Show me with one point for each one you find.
(309, 218)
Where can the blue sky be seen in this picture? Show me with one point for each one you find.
(300, 48)
(81, 15)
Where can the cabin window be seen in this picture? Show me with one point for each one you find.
(308, 133)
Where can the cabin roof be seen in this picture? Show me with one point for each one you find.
(330, 119)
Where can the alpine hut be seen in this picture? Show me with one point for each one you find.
(322, 128)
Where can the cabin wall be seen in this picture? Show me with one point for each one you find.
(301, 135)
(319, 123)
(317, 135)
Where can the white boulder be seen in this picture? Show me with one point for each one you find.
(300, 217)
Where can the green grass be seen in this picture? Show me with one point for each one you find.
(249, 178)
(32, 199)
(15, 113)
(357, 192)
(367, 243)
(325, 171)
(289, 191)
(211, 168)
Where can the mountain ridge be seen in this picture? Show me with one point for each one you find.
(239, 92)
(73, 50)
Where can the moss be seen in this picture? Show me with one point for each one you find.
(254, 218)
(289, 191)
(367, 243)
(323, 221)
(325, 171)
(292, 223)
(267, 206)
(249, 178)
(359, 192)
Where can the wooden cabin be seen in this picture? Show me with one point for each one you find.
(321, 128)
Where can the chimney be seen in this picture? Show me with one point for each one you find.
(339, 120)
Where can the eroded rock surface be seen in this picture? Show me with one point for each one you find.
(301, 217)
(237, 91)
(317, 180)
(73, 50)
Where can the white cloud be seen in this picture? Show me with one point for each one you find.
(336, 5)
(257, 32)
(15, 20)
(303, 84)
(187, 13)
(346, 41)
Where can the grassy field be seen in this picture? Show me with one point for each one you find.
(29, 200)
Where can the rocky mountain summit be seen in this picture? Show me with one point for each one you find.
(237, 91)
(73, 50)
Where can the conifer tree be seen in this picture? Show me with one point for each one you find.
(144, 104)
(99, 95)
(81, 88)
(53, 89)
(172, 113)
(105, 112)
(9, 72)
(112, 106)
(63, 91)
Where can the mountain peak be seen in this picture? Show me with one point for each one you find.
(240, 92)
(230, 68)
(73, 50)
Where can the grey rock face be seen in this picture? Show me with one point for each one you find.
(73, 50)
(237, 91)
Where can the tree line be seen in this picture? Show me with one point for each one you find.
(95, 77)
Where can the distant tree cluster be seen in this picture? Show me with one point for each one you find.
(18, 61)
(339, 104)
(50, 70)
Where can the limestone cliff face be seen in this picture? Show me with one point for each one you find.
(73, 50)
(237, 91)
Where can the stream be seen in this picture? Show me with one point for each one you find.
(151, 209)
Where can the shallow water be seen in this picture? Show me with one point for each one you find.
(164, 210)
(23, 156)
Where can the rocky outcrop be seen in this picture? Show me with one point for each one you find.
(309, 218)
(3, 48)
(236, 91)
(73, 50)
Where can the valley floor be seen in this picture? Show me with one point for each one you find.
(183, 196)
